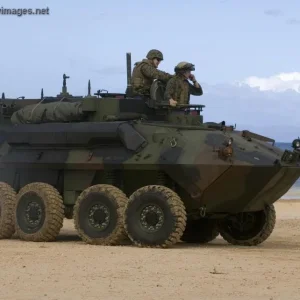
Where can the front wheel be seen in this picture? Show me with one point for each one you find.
(249, 228)
(155, 217)
(99, 215)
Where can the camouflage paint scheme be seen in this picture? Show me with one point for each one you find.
(179, 89)
(144, 73)
(139, 146)
(130, 144)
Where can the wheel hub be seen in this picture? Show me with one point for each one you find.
(246, 225)
(152, 218)
(244, 222)
(33, 213)
(99, 216)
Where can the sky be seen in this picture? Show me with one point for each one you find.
(231, 42)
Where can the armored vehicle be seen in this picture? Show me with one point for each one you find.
(137, 168)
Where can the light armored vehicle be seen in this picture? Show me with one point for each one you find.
(127, 167)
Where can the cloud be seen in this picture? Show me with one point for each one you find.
(276, 83)
(293, 21)
(255, 104)
(273, 12)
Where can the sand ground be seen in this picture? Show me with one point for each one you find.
(70, 269)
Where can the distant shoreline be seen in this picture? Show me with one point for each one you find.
(288, 200)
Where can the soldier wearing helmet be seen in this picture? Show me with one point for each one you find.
(178, 88)
(146, 71)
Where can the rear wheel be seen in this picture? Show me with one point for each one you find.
(249, 228)
(99, 215)
(7, 209)
(155, 217)
(39, 212)
(200, 231)
(69, 212)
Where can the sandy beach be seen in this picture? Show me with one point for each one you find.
(70, 269)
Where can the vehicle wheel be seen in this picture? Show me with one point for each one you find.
(155, 217)
(99, 215)
(69, 212)
(7, 209)
(39, 212)
(200, 231)
(249, 228)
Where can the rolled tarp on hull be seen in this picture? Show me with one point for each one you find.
(47, 113)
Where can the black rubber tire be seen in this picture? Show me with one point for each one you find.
(68, 211)
(115, 201)
(200, 231)
(169, 205)
(7, 209)
(258, 237)
(52, 209)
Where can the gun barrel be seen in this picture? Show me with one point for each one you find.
(128, 61)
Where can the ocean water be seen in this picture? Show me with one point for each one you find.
(294, 192)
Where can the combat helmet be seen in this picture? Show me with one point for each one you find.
(184, 66)
(153, 53)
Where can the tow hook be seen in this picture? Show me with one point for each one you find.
(202, 211)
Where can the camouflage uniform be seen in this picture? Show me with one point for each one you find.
(145, 72)
(178, 88)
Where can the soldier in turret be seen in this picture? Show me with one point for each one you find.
(178, 88)
(146, 71)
